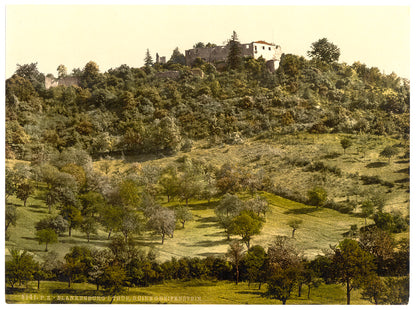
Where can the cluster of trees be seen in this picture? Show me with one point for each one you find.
(132, 110)
(373, 263)
(81, 197)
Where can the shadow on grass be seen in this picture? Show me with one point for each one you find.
(405, 180)
(201, 206)
(305, 210)
(209, 243)
(30, 238)
(405, 170)
(259, 293)
(213, 254)
(406, 161)
(208, 219)
(206, 225)
(377, 164)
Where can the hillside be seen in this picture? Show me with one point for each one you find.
(138, 176)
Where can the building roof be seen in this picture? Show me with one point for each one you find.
(263, 42)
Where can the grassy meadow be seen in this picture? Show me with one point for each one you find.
(277, 157)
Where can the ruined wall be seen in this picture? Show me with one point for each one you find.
(220, 53)
(65, 81)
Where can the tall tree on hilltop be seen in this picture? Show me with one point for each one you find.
(148, 60)
(177, 57)
(324, 50)
(234, 60)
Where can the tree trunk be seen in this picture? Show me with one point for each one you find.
(163, 238)
(69, 281)
(300, 290)
(38, 283)
(293, 232)
(46, 248)
(284, 301)
(69, 231)
(237, 274)
(88, 237)
(109, 234)
(309, 291)
(348, 292)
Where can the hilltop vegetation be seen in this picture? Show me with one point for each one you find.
(131, 178)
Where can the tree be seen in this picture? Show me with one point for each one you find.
(189, 182)
(284, 268)
(234, 60)
(110, 217)
(345, 143)
(11, 216)
(183, 215)
(62, 71)
(389, 152)
(162, 222)
(317, 196)
(246, 224)
(199, 45)
(258, 205)
(46, 236)
(177, 57)
(169, 183)
(236, 254)
(24, 191)
(113, 280)
(294, 224)
(148, 60)
(78, 262)
(381, 245)
(324, 50)
(229, 207)
(352, 265)
(73, 215)
(57, 223)
(89, 226)
(281, 283)
(255, 261)
(19, 268)
(129, 193)
(131, 223)
(367, 209)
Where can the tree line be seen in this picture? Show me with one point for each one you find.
(370, 263)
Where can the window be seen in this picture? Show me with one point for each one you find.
(263, 47)
(255, 47)
(270, 48)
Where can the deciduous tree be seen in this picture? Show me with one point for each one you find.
(352, 265)
(324, 50)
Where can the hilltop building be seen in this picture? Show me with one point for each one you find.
(50, 81)
(270, 52)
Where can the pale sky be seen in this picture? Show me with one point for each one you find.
(112, 35)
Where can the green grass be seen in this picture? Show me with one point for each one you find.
(179, 292)
(202, 236)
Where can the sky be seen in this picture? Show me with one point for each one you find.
(112, 35)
